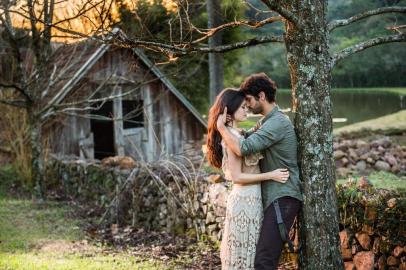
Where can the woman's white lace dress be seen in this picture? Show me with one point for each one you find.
(243, 218)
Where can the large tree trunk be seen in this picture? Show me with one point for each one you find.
(215, 59)
(37, 161)
(310, 69)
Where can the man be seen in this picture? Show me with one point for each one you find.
(275, 138)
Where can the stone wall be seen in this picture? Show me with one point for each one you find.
(170, 195)
(362, 156)
(373, 223)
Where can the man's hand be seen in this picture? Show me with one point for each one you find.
(279, 175)
(222, 120)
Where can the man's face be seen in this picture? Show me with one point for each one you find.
(253, 104)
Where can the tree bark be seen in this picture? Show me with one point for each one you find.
(309, 62)
(216, 71)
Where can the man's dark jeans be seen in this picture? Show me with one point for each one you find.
(270, 244)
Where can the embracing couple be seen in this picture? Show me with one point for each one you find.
(262, 164)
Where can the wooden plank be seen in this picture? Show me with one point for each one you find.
(118, 123)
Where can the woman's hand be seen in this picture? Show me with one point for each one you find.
(222, 119)
(279, 175)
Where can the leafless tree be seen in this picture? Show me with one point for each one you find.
(31, 75)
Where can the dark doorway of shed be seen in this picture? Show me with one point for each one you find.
(102, 127)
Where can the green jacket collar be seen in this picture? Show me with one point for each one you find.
(270, 114)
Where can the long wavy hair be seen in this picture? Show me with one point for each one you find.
(232, 99)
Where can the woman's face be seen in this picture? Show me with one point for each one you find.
(241, 113)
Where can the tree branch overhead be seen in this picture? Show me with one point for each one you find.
(365, 45)
(339, 23)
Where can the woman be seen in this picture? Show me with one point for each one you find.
(244, 205)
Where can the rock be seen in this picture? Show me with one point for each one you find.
(349, 265)
(344, 161)
(384, 142)
(361, 166)
(219, 211)
(215, 178)
(368, 229)
(382, 262)
(346, 254)
(204, 208)
(370, 160)
(205, 198)
(364, 240)
(392, 261)
(211, 228)
(382, 166)
(342, 172)
(364, 183)
(352, 154)
(391, 159)
(391, 203)
(219, 220)
(344, 239)
(375, 246)
(374, 155)
(361, 144)
(402, 265)
(395, 169)
(398, 251)
(338, 154)
(218, 195)
(364, 260)
(210, 218)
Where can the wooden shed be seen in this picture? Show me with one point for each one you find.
(145, 116)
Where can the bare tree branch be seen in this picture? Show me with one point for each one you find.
(211, 32)
(365, 45)
(174, 50)
(339, 23)
(277, 7)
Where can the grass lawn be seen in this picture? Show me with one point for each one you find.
(388, 123)
(47, 236)
(382, 180)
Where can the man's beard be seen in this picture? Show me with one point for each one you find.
(256, 110)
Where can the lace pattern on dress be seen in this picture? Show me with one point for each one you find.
(243, 219)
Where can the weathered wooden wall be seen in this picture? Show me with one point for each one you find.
(168, 124)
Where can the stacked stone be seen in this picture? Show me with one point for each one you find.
(192, 150)
(367, 251)
(363, 157)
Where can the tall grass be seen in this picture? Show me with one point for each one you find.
(14, 135)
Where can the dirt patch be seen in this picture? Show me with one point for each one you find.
(63, 246)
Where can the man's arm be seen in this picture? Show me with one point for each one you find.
(265, 136)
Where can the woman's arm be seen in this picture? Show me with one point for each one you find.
(238, 177)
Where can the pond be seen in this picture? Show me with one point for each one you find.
(352, 106)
